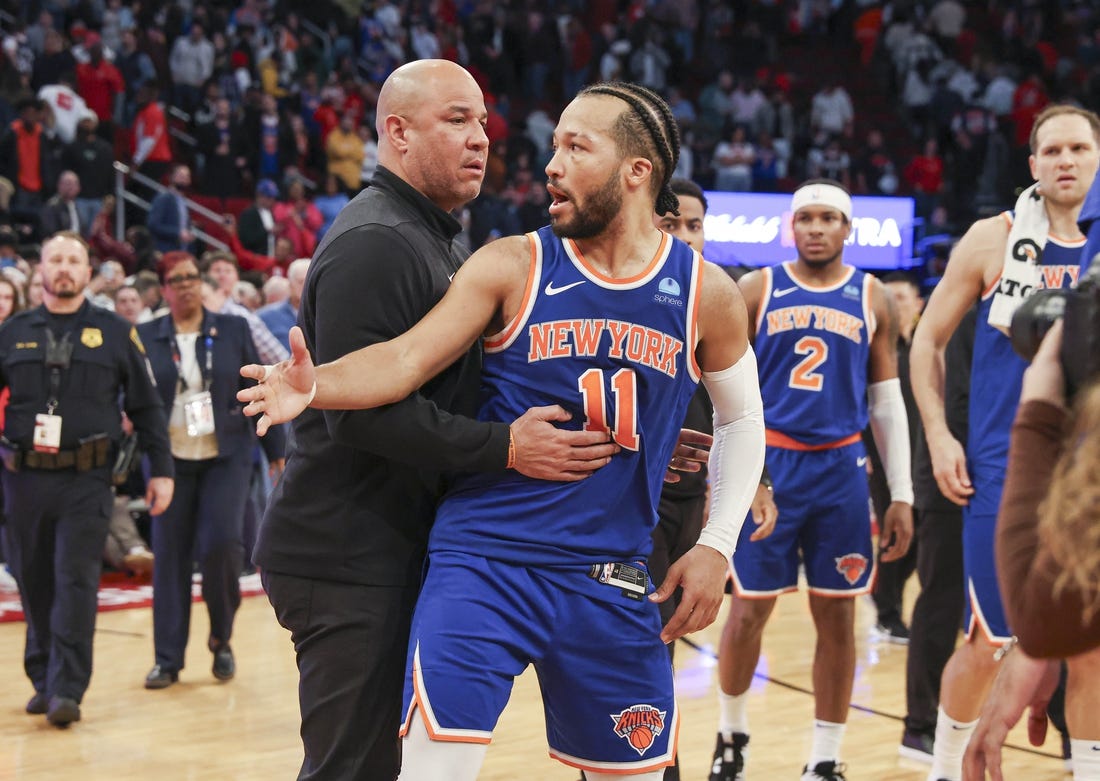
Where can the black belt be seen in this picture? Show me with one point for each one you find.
(62, 459)
(92, 453)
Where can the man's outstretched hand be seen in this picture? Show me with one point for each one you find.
(283, 390)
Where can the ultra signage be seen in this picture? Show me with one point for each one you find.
(755, 229)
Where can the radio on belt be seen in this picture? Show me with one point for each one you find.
(632, 580)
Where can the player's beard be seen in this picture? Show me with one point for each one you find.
(594, 214)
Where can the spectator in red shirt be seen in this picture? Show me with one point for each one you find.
(1030, 98)
(152, 151)
(298, 220)
(925, 175)
(99, 83)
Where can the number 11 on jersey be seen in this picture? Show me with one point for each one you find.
(625, 409)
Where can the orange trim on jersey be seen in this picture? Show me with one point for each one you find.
(1071, 243)
(418, 705)
(500, 339)
(765, 294)
(693, 321)
(633, 769)
(759, 595)
(869, 307)
(657, 258)
(977, 622)
(775, 438)
(788, 266)
(993, 285)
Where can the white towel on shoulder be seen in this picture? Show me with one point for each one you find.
(1020, 276)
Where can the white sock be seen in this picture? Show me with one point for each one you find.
(1086, 759)
(947, 754)
(826, 742)
(732, 716)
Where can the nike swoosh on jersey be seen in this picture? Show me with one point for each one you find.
(553, 291)
(861, 461)
(783, 292)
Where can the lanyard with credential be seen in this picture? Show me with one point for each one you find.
(58, 356)
(181, 384)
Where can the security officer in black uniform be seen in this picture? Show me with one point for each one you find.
(67, 363)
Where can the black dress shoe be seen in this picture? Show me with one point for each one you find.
(38, 704)
(159, 678)
(62, 711)
(224, 666)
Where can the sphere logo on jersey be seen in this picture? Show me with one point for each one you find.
(851, 566)
(639, 725)
(668, 292)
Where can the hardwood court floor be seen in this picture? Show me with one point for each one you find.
(248, 729)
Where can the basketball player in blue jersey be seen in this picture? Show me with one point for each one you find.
(997, 263)
(825, 334)
(618, 322)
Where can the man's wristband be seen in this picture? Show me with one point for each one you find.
(766, 479)
(511, 451)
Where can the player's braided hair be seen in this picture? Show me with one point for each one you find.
(649, 118)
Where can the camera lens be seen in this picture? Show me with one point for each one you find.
(1033, 319)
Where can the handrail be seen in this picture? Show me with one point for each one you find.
(121, 170)
(326, 40)
(186, 138)
(179, 114)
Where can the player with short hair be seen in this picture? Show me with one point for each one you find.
(825, 334)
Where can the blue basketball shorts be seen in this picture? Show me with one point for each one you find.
(984, 608)
(605, 675)
(824, 523)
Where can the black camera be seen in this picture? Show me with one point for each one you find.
(1079, 308)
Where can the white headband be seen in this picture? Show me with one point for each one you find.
(822, 195)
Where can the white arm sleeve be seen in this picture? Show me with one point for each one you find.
(737, 455)
(890, 426)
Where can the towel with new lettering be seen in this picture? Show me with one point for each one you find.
(1020, 276)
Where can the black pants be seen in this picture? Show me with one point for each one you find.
(202, 524)
(937, 614)
(351, 642)
(890, 576)
(677, 531)
(56, 528)
(890, 583)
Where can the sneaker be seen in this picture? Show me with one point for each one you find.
(729, 758)
(916, 746)
(893, 630)
(7, 582)
(139, 561)
(824, 771)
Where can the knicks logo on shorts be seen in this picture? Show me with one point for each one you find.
(852, 567)
(639, 725)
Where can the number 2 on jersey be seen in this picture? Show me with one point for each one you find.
(803, 375)
(624, 387)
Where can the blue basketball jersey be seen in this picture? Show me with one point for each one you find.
(813, 345)
(997, 371)
(618, 355)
